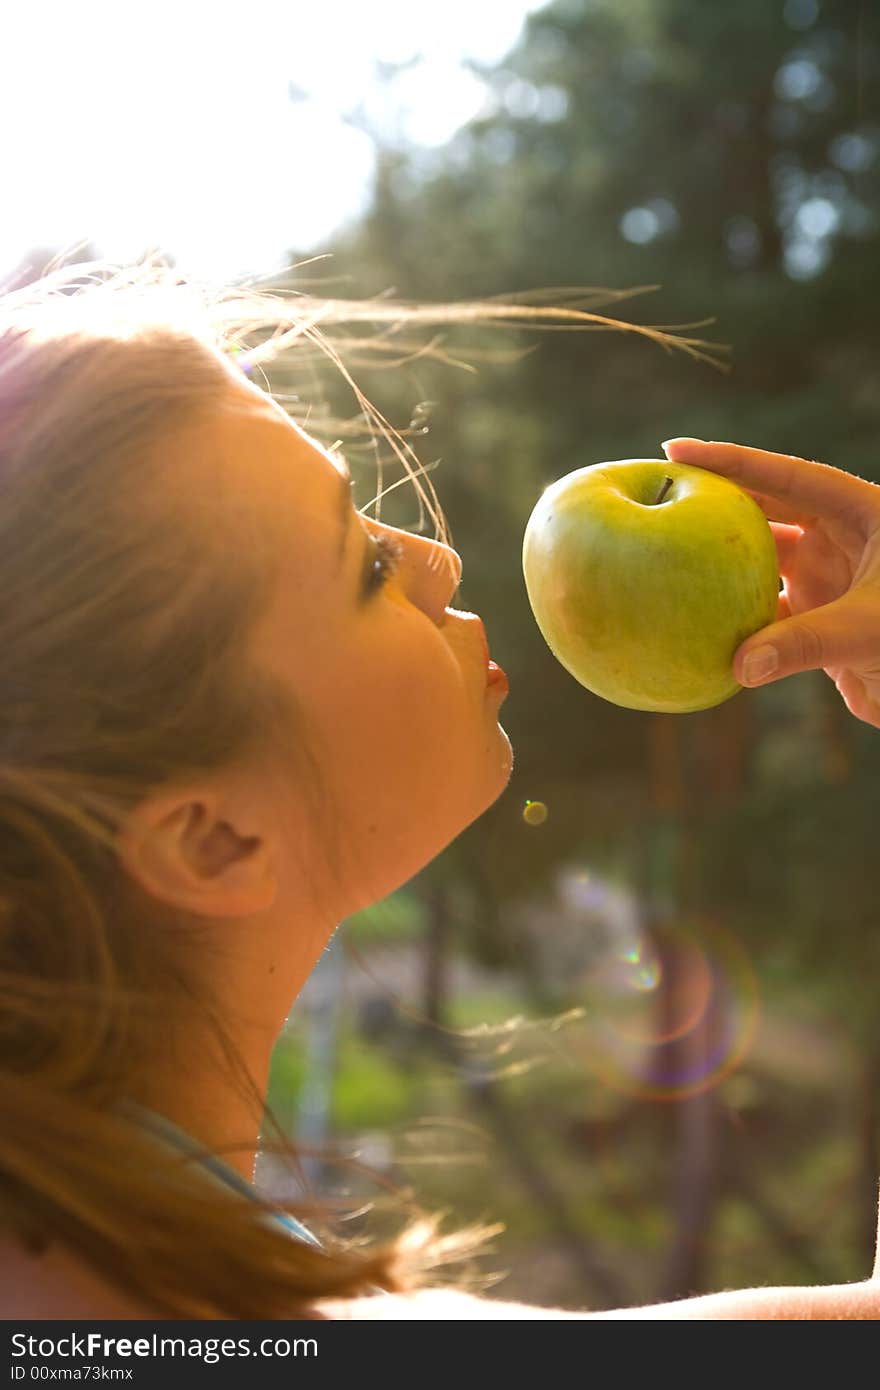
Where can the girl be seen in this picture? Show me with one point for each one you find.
(236, 711)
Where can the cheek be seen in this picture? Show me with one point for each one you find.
(386, 697)
(403, 704)
(407, 751)
(411, 691)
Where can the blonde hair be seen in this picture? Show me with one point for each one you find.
(121, 671)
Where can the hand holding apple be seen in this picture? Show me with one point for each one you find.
(826, 525)
(644, 576)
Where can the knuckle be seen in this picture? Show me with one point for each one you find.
(809, 646)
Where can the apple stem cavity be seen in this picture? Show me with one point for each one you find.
(667, 484)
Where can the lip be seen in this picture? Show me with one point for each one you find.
(497, 678)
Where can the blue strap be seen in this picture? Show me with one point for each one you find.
(179, 1138)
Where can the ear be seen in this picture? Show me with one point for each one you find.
(198, 851)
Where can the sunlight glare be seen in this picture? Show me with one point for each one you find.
(230, 138)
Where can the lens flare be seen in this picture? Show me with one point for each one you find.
(670, 1017)
(241, 358)
(534, 813)
(639, 969)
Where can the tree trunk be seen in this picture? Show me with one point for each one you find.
(691, 782)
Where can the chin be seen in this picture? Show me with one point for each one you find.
(409, 859)
(497, 785)
(510, 755)
(507, 759)
(503, 760)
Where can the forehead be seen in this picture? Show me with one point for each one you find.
(249, 452)
(296, 496)
(268, 429)
(247, 472)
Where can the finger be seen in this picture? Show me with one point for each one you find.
(855, 697)
(783, 607)
(802, 483)
(843, 633)
(787, 539)
(774, 510)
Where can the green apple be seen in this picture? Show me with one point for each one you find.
(645, 576)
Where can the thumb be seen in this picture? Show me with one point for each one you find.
(835, 634)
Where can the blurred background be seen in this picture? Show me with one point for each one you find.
(631, 1011)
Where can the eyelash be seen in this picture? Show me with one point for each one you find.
(387, 555)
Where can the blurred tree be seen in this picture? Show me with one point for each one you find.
(731, 155)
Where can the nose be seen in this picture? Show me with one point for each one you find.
(429, 572)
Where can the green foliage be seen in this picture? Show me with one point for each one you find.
(696, 106)
(700, 149)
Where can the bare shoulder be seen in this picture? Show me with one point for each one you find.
(832, 1302)
(59, 1284)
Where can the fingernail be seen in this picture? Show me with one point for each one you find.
(683, 446)
(759, 663)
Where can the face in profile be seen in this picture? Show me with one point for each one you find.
(391, 682)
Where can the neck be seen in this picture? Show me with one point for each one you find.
(211, 1105)
(188, 1077)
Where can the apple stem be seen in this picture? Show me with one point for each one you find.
(667, 484)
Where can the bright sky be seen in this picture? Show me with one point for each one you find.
(171, 124)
